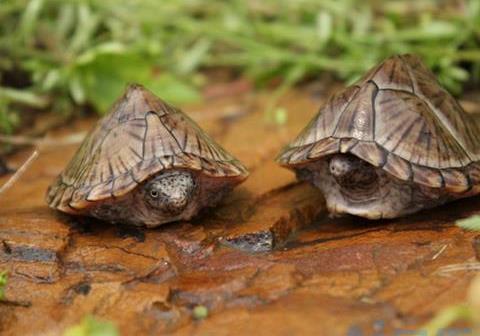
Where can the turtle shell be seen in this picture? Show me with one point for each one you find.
(141, 136)
(397, 117)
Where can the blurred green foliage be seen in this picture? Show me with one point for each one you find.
(91, 326)
(446, 317)
(3, 283)
(60, 54)
(470, 223)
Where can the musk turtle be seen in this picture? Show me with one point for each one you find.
(393, 143)
(145, 163)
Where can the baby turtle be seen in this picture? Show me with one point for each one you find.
(392, 144)
(145, 163)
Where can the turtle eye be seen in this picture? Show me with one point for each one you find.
(154, 193)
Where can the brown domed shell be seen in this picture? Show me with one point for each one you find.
(399, 118)
(141, 136)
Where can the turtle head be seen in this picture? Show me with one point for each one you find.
(351, 172)
(170, 192)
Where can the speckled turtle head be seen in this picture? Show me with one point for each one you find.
(393, 143)
(145, 163)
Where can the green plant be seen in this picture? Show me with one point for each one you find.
(445, 318)
(62, 55)
(90, 326)
(3, 283)
(470, 223)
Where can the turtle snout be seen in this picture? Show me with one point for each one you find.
(340, 165)
(177, 201)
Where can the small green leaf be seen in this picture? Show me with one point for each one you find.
(29, 18)
(90, 326)
(76, 90)
(172, 89)
(471, 223)
(51, 79)
(3, 283)
(458, 73)
(101, 49)
(23, 97)
(191, 59)
(324, 26)
(107, 75)
(88, 22)
(66, 21)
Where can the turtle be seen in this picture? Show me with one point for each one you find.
(393, 143)
(145, 163)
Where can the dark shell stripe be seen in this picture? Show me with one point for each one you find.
(126, 148)
(399, 118)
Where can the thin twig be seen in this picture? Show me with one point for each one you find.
(20, 171)
(440, 252)
(467, 266)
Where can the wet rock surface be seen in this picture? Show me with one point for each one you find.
(268, 261)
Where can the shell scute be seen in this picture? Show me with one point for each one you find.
(79, 199)
(325, 147)
(473, 172)
(121, 183)
(66, 197)
(398, 167)
(146, 167)
(347, 144)
(391, 74)
(457, 123)
(370, 152)
(406, 126)
(56, 198)
(99, 192)
(357, 119)
(323, 124)
(455, 180)
(427, 177)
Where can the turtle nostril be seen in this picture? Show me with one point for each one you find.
(176, 205)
